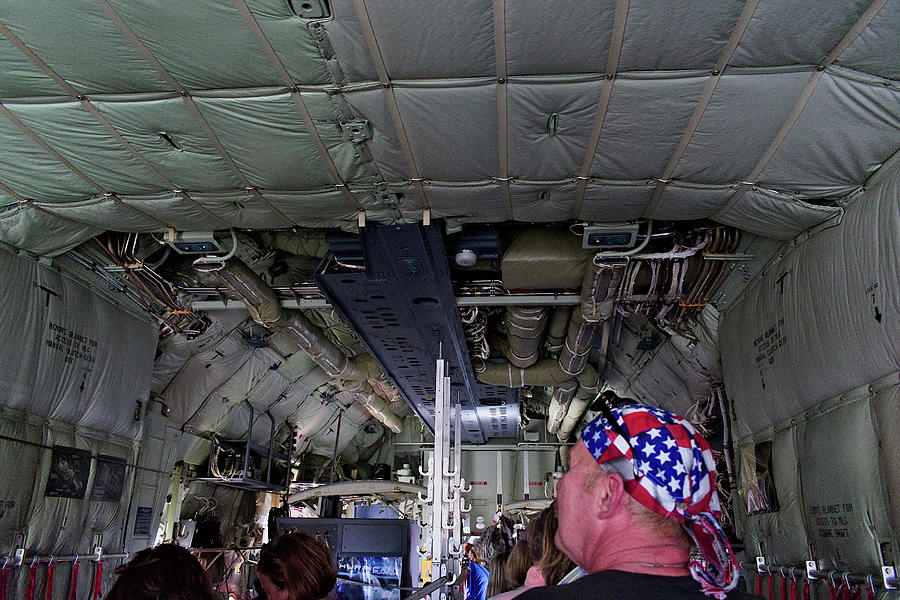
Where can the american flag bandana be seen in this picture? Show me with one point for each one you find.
(669, 468)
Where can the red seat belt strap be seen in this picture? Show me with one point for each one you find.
(74, 589)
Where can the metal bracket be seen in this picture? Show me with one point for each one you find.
(760, 564)
(889, 577)
(19, 557)
(811, 568)
(356, 131)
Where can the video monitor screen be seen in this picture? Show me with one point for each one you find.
(373, 577)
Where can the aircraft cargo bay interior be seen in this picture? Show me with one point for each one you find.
(420, 287)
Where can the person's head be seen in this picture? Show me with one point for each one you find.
(473, 554)
(644, 473)
(518, 563)
(497, 579)
(166, 572)
(553, 563)
(296, 566)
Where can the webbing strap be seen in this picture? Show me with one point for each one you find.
(771, 587)
(758, 583)
(4, 574)
(806, 590)
(502, 103)
(783, 587)
(73, 589)
(32, 573)
(793, 589)
(49, 594)
(98, 581)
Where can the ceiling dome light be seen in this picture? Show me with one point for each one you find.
(466, 258)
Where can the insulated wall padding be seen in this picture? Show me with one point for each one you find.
(105, 212)
(886, 413)
(482, 203)
(644, 121)
(77, 358)
(32, 172)
(41, 233)
(172, 209)
(431, 40)
(209, 46)
(568, 37)
(842, 494)
(354, 418)
(72, 30)
(877, 49)
(17, 478)
(541, 202)
(780, 536)
(771, 37)
(299, 206)
(824, 318)
(344, 36)
(610, 202)
(19, 77)
(537, 150)
(703, 29)
(849, 127)
(742, 118)
(775, 216)
(242, 209)
(76, 135)
(451, 117)
(267, 139)
(691, 202)
(189, 160)
(370, 104)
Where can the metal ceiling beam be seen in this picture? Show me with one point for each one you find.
(505, 300)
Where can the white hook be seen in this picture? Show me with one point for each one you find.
(427, 499)
(462, 487)
(430, 470)
(462, 508)
(453, 497)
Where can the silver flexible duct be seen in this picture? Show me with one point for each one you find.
(524, 332)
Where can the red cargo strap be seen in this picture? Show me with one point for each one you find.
(3, 576)
(98, 583)
(806, 590)
(783, 587)
(793, 587)
(32, 572)
(771, 587)
(758, 583)
(74, 589)
(49, 595)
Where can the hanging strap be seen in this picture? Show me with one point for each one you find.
(793, 588)
(74, 588)
(32, 573)
(758, 583)
(49, 595)
(4, 574)
(98, 581)
(771, 587)
(783, 587)
(806, 590)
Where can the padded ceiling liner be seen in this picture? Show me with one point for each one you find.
(135, 116)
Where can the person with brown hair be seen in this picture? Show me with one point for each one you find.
(498, 582)
(296, 566)
(166, 572)
(518, 563)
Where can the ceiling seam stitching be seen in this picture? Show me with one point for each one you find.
(798, 107)
(368, 32)
(95, 112)
(502, 103)
(136, 43)
(612, 65)
(706, 95)
(286, 78)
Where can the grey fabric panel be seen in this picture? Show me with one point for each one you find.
(242, 210)
(534, 152)
(21, 77)
(480, 202)
(267, 139)
(771, 36)
(324, 205)
(79, 138)
(291, 39)
(680, 202)
(344, 154)
(643, 124)
(843, 498)
(782, 533)
(105, 213)
(539, 202)
(348, 42)
(170, 209)
(703, 29)
(742, 118)
(17, 478)
(73, 30)
(33, 173)
(428, 40)
(877, 49)
(848, 128)
(78, 358)
(208, 46)
(773, 354)
(370, 105)
(193, 165)
(612, 202)
(776, 216)
(564, 37)
(463, 118)
(35, 231)
(886, 407)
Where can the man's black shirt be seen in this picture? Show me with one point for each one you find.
(620, 585)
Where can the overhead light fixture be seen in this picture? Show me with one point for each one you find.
(466, 258)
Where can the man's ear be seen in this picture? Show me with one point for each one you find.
(609, 493)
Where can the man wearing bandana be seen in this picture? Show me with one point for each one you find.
(638, 511)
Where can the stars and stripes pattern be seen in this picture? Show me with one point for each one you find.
(669, 468)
